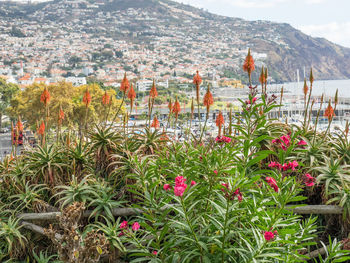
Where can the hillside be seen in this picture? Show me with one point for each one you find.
(194, 34)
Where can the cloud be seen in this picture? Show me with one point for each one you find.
(311, 2)
(336, 32)
(256, 3)
(249, 3)
(238, 3)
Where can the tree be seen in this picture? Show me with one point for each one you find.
(7, 92)
(27, 104)
(74, 60)
(119, 54)
(15, 32)
(107, 54)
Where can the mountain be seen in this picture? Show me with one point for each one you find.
(192, 33)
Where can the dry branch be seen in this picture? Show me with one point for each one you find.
(318, 210)
(309, 209)
(37, 229)
(313, 254)
(55, 215)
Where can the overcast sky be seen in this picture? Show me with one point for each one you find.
(320, 18)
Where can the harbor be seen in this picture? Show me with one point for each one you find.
(292, 108)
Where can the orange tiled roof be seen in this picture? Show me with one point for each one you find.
(25, 77)
(40, 79)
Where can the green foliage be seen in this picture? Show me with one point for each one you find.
(11, 238)
(27, 104)
(43, 257)
(77, 191)
(7, 92)
(235, 206)
(334, 253)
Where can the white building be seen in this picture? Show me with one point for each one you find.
(76, 81)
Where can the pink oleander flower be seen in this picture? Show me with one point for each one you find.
(253, 100)
(284, 141)
(179, 180)
(302, 143)
(220, 139)
(179, 190)
(276, 141)
(309, 180)
(135, 226)
(166, 187)
(193, 183)
(293, 165)
(155, 253)
(285, 167)
(247, 102)
(224, 185)
(180, 186)
(275, 165)
(272, 182)
(216, 172)
(290, 166)
(123, 225)
(121, 234)
(268, 235)
(238, 194)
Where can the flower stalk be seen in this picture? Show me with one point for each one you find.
(197, 80)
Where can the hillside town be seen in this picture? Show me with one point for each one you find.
(54, 44)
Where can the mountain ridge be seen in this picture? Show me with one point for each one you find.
(287, 48)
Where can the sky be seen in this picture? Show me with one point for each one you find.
(319, 18)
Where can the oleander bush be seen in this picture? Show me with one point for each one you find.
(141, 196)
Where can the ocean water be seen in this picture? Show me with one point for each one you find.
(328, 87)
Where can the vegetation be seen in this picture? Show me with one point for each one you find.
(27, 104)
(7, 92)
(141, 196)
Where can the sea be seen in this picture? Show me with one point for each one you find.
(326, 87)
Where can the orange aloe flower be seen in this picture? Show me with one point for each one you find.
(19, 125)
(329, 112)
(311, 77)
(220, 121)
(170, 106)
(125, 85)
(208, 99)
(106, 98)
(249, 65)
(60, 115)
(197, 80)
(155, 123)
(41, 129)
(176, 108)
(45, 97)
(131, 96)
(87, 98)
(153, 93)
(306, 88)
(262, 78)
